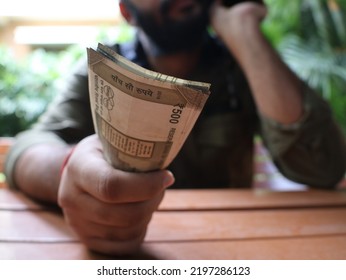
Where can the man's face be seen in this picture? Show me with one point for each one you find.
(174, 9)
(171, 25)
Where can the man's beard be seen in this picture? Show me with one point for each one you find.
(172, 36)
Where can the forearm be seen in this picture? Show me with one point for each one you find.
(37, 171)
(276, 90)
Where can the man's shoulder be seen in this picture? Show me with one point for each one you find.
(126, 49)
(132, 51)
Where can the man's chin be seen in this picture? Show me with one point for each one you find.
(154, 49)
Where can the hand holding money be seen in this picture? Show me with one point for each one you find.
(142, 117)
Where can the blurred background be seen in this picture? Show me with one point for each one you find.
(41, 40)
(39, 43)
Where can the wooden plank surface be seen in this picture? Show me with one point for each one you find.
(220, 199)
(198, 224)
(319, 247)
(34, 226)
(17, 201)
(312, 248)
(250, 199)
(237, 225)
(25, 226)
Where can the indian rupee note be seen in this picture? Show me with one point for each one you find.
(142, 117)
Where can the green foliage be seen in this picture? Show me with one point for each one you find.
(123, 33)
(311, 37)
(27, 87)
(283, 19)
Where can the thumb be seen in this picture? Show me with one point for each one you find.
(168, 178)
(117, 186)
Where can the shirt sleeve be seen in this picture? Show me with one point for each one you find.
(67, 120)
(311, 151)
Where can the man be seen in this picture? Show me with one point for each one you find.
(252, 91)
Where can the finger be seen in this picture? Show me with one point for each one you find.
(120, 215)
(93, 174)
(116, 186)
(218, 14)
(89, 230)
(262, 12)
(120, 248)
(216, 7)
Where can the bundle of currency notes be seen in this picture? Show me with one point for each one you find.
(141, 117)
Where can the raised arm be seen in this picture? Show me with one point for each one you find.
(297, 125)
(277, 91)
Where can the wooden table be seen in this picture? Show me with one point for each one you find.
(195, 224)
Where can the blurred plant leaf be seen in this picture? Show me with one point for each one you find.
(312, 40)
(27, 87)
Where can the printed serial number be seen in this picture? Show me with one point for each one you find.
(215, 270)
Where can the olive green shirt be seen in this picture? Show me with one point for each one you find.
(219, 151)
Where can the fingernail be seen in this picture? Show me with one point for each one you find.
(168, 179)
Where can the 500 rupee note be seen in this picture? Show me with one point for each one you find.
(142, 117)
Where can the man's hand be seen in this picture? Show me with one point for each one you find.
(108, 208)
(233, 23)
(277, 91)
